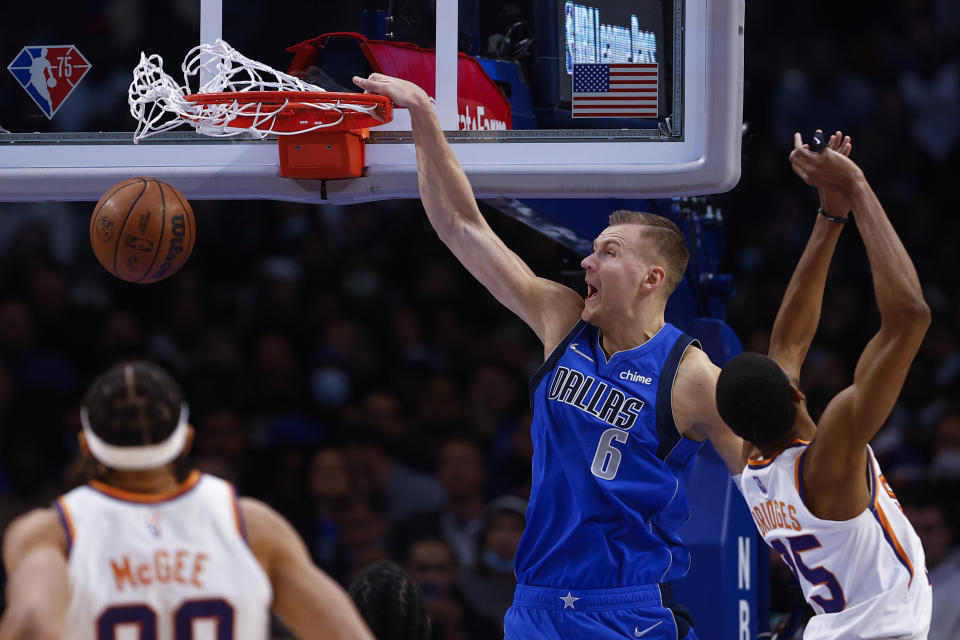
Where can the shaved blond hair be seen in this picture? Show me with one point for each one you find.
(665, 238)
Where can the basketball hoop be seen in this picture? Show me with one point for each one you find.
(320, 133)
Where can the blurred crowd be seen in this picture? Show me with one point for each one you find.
(341, 365)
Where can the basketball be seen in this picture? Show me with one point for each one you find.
(142, 230)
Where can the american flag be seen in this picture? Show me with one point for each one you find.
(621, 90)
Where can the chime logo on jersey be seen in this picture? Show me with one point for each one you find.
(595, 397)
(49, 74)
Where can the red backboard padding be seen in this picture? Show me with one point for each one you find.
(418, 65)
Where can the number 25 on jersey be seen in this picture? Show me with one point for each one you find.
(816, 575)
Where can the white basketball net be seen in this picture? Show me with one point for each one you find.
(157, 102)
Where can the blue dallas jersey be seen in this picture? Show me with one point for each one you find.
(608, 466)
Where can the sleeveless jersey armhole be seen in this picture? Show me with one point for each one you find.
(65, 521)
(799, 483)
(668, 435)
(877, 510)
(238, 515)
(798, 477)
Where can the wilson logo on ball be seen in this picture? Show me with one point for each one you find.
(179, 228)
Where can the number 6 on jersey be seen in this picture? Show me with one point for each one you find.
(606, 462)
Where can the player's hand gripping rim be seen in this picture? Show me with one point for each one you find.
(403, 93)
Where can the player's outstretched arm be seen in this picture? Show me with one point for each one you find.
(853, 417)
(799, 312)
(308, 601)
(695, 409)
(34, 555)
(550, 309)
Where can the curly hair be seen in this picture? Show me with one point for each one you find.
(390, 602)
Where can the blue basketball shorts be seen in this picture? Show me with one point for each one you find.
(539, 613)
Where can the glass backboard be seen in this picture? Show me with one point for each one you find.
(546, 98)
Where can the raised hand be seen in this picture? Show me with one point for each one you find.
(829, 170)
(833, 202)
(402, 92)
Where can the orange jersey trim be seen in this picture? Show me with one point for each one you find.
(892, 538)
(797, 477)
(756, 463)
(148, 498)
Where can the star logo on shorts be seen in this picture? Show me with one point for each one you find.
(568, 600)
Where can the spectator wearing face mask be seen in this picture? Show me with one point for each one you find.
(488, 584)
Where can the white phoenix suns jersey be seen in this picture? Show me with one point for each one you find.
(172, 566)
(864, 577)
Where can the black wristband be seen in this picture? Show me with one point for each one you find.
(831, 218)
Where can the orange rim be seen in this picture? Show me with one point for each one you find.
(298, 110)
(279, 97)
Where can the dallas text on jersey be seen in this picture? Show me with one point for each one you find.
(606, 402)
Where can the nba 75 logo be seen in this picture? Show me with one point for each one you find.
(49, 74)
